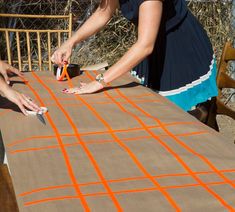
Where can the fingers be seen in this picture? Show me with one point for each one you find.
(70, 91)
(75, 90)
(67, 56)
(15, 71)
(85, 88)
(82, 91)
(53, 58)
(82, 84)
(9, 69)
(57, 58)
(61, 55)
(19, 103)
(21, 100)
(22, 108)
(6, 78)
(28, 102)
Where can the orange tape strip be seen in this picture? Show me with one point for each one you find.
(127, 180)
(114, 199)
(63, 150)
(177, 156)
(130, 153)
(100, 142)
(119, 192)
(167, 147)
(99, 132)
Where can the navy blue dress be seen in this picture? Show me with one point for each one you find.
(182, 65)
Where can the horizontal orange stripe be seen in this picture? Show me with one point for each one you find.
(101, 132)
(101, 103)
(119, 192)
(72, 97)
(125, 180)
(100, 142)
(69, 167)
(177, 156)
(83, 145)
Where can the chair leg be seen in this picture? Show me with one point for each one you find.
(226, 81)
(224, 110)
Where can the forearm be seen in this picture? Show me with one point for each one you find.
(132, 58)
(93, 25)
(3, 85)
(149, 22)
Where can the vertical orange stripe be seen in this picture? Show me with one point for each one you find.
(82, 143)
(63, 150)
(157, 138)
(134, 158)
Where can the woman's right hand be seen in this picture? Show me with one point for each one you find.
(21, 100)
(5, 69)
(62, 54)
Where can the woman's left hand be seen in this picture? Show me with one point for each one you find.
(85, 88)
(5, 69)
(21, 100)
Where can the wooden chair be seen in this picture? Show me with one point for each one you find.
(18, 48)
(223, 81)
(28, 41)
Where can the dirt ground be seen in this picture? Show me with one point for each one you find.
(227, 125)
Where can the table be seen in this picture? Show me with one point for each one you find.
(124, 149)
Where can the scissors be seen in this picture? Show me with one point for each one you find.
(41, 118)
(62, 73)
(39, 114)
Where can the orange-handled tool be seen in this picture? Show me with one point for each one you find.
(60, 75)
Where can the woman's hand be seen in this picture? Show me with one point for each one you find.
(62, 54)
(5, 69)
(85, 88)
(20, 100)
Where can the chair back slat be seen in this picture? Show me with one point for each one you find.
(18, 51)
(24, 47)
(49, 49)
(59, 39)
(8, 47)
(229, 52)
(29, 50)
(39, 51)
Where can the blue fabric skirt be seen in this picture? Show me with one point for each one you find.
(182, 66)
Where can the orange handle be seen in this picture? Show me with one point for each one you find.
(64, 72)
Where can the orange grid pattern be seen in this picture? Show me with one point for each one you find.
(158, 150)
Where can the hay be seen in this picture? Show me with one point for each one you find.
(112, 42)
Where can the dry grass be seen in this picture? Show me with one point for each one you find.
(110, 44)
(119, 35)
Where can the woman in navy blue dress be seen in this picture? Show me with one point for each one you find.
(172, 55)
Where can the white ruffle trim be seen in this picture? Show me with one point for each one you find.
(192, 84)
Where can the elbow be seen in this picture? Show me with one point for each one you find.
(149, 50)
(102, 18)
(146, 48)
(103, 15)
